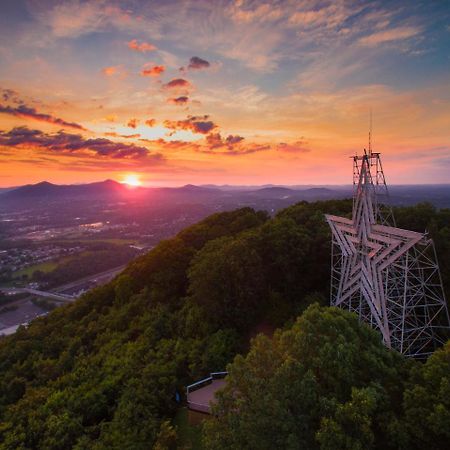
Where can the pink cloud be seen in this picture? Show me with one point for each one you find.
(143, 47)
(394, 34)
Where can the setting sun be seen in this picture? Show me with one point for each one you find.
(132, 180)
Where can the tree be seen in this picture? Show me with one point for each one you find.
(167, 437)
(226, 279)
(123, 289)
(326, 379)
(102, 372)
(427, 403)
(351, 426)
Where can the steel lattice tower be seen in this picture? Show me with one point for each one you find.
(388, 276)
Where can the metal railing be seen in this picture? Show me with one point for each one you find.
(212, 376)
(202, 407)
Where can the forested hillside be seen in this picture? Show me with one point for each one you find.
(102, 373)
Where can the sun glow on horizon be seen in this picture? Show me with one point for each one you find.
(132, 180)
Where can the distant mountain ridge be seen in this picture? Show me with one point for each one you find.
(439, 195)
(46, 188)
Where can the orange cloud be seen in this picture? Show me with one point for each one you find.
(152, 71)
(126, 136)
(110, 71)
(150, 122)
(142, 47)
(295, 147)
(132, 123)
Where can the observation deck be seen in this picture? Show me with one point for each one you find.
(201, 395)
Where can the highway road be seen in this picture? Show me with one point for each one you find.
(60, 293)
(51, 295)
(25, 311)
(96, 279)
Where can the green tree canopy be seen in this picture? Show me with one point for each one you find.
(102, 372)
(328, 382)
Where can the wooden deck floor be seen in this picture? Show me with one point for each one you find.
(200, 399)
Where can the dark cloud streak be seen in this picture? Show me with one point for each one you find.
(183, 100)
(177, 83)
(197, 63)
(31, 113)
(196, 124)
(10, 95)
(215, 140)
(70, 144)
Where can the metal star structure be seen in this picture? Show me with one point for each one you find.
(387, 275)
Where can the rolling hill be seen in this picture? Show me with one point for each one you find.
(103, 372)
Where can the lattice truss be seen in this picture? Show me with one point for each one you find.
(388, 276)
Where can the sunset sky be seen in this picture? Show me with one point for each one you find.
(223, 92)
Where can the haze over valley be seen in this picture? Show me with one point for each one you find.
(69, 238)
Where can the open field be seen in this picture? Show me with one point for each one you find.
(76, 238)
(46, 266)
